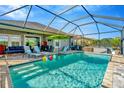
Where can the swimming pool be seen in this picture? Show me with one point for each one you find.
(77, 70)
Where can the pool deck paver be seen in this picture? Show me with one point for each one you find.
(116, 61)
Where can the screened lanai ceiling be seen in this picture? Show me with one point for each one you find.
(88, 21)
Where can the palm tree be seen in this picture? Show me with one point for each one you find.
(115, 42)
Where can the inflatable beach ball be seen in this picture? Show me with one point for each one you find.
(54, 56)
(50, 57)
(44, 58)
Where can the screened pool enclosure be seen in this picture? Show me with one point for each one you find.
(73, 20)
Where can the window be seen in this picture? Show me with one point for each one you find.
(57, 43)
(4, 40)
(15, 40)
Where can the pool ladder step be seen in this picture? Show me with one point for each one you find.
(23, 67)
(28, 75)
(28, 70)
(34, 73)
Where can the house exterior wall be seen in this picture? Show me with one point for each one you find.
(63, 42)
(50, 42)
(18, 33)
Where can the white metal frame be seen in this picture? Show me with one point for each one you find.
(92, 16)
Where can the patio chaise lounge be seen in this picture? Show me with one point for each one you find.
(37, 50)
(29, 52)
(65, 50)
(76, 47)
(111, 51)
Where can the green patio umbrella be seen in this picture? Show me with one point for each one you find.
(58, 37)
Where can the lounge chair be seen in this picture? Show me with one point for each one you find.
(110, 50)
(68, 50)
(37, 50)
(63, 50)
(29, 52)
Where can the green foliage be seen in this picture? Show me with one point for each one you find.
(107, 42)
(53, 37)
(115, 42)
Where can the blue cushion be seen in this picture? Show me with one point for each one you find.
(15, 49)
(11, 48)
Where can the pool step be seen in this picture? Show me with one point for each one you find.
(34, 73)
(23, 67)
(29, 75)
(28, 69)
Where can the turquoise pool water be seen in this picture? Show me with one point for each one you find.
(78, 70)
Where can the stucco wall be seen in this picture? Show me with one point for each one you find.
(64, 42)
(22, 34)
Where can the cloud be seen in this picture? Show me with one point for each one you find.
(19, 14)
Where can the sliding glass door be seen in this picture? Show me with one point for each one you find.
(32, 41)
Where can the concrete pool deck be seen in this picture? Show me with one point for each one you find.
(115, 62)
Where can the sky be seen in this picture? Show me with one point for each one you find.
(43, 17)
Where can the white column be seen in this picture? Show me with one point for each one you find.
(9, 40)
(122, 41)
